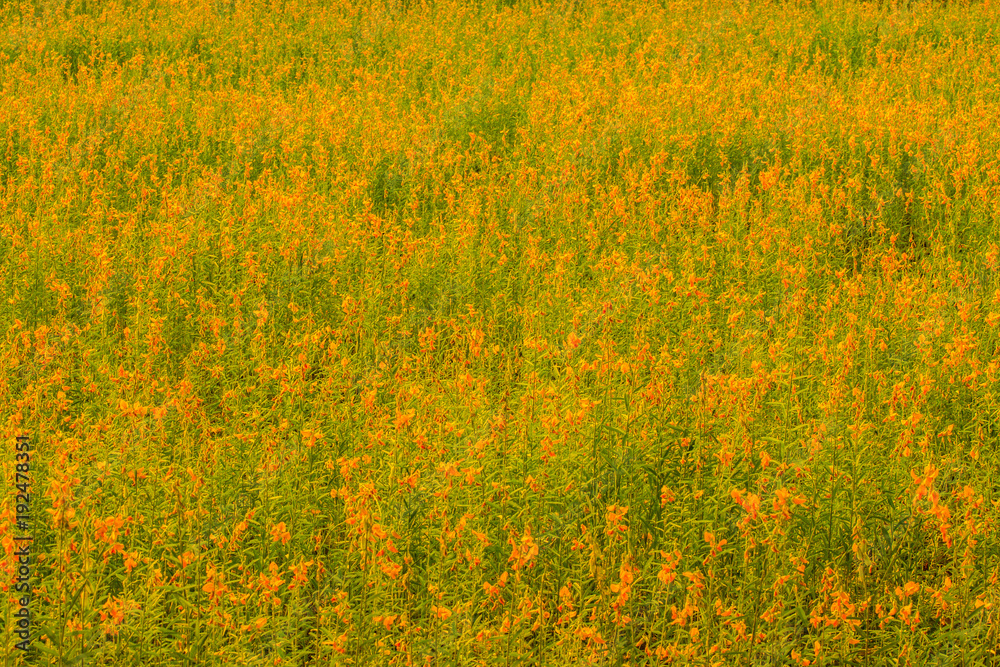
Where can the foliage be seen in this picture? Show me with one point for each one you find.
(503, 332)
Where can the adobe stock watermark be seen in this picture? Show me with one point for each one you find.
(23, 540)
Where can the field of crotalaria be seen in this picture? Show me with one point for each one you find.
(458, 333)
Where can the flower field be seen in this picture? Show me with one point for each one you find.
(501, 332)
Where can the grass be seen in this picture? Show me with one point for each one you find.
(499, 333)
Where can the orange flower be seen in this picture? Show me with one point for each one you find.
(765, 460)
(131, 560)
(391, 569)
(667, 575)
(280, 534)
(908, 589)
(442, 613)
(523, 551)
(299, 574)
(403, 418)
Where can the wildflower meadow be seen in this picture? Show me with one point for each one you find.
(500, 332)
